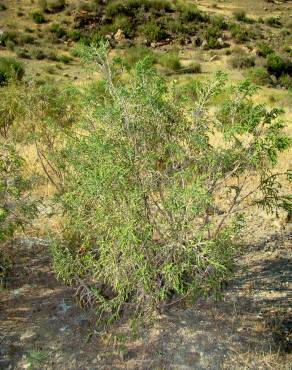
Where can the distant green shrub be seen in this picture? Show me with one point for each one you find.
(37, 53)
(10, 70)
(259, 76)
(65, 59)
(58, 30)
(133, 54)
(239, 33)
(38, 17)
(75, 35)
(240, 15)
(273, 22)
(276, 64)
(264, 49)
(286, 81)
(170, 61)
(22, 53)
(152, 31)
(3, 7)
(8, 36)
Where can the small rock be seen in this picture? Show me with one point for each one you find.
(119, 35)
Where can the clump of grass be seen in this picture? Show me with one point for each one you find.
(38, 17)
(8, 36)
(133, 54)
(3, 7)
(240, 33)
(10, 69)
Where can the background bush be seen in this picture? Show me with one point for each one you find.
(10, 70)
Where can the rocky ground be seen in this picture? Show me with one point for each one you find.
(249, 328)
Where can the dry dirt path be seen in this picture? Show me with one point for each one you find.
(41, 327)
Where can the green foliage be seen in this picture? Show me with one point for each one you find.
(10, 70)
(264, 49)
(59, 31)
(152, 201)
(273, 22)
(259, 76)
(286, 81)
(8, 36)
(37, 53)
(152, 32)
(66, 59)
(277, 65)
(240, 15)
(37, 16)
(240, 33)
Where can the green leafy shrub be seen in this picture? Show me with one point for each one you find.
(22, 53)
(259, 76)
(8, 36)
(133, 54)
(240, 15)
(286, 81)
(273, 22)
(37, 53)
(239, 33)
(152, 31)
(141, 185)
(10, 70)
(264, 49)
(58, 30)
(277, 65)
(38, 17)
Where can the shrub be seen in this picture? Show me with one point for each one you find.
(10, 70)
(193, 67)
(75, 35)
(3, 7)
(133, 54)
(241, 59)
(65, 59)
(170, 61)
(141, 185)
(152, 32)
(56, 5)
(259, 76)
(240, 15)
(8, 36)
(264, 49)
(273, 22)
(286, 81)
(58, 30)
(26, 39)
(210, 37)
(276, 64)
(239, 33)
(22, 53)
(38, 17)
(37, 53)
